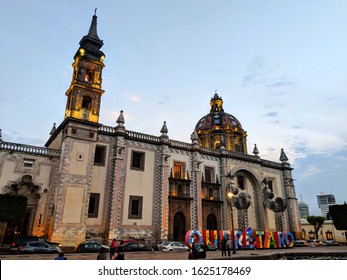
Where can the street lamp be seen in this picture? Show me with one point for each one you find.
(230, 196)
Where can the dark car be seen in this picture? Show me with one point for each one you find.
(300, 243)
(331, 243)
(91, 246)
(39, 247)
(135, 246)
(22, 241)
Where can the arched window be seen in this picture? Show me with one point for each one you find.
(87, 102)
(180, 190)
(210, 193)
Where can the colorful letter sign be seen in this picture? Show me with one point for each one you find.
(246, 239)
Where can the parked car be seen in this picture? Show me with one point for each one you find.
(22, 241)
(91, 246)
(135, 246)
(175, 246)
(314, 242)
(162, 244)
(332, 243)
(39, 247)
(300, 243)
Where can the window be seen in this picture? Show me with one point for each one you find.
(89, 75)
(100, 155)
(240, 182)
(135, 207)
(210, 193)
(28, 162)
(209, 174)
(178, 170)
(179, 190)
(137, 160)
(86, 102)
(270, 185)
(93, 208)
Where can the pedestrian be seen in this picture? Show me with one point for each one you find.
(120, 251)
(102, 254)
(60, 256)
(223, 244)
(113, 248)
(195, 250)
(228, 244)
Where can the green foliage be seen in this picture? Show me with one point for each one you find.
(12, 208)
(339, 215)
(317, 222)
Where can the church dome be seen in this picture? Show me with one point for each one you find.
(219, 128)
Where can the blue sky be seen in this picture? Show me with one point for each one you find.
(280, 67)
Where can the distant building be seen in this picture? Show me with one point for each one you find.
(324, 201)
(303, 210)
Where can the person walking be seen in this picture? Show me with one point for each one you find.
(119, 255)
(223, 244)
(102, 255)
(60, 256)
(113, 248)
(228, 244)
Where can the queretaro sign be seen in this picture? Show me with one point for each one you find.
(246, 239)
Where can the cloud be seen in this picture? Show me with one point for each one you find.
(271, 114)
(135, 98)
(279, 82)
(259, 72)
(14, 136)
(164, 99)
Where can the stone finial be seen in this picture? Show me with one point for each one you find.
(255, 150)
(283, 156)
(53, 129)
(120, 119)
(164, 129)
(194, 136)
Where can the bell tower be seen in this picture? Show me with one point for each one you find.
(84, 93)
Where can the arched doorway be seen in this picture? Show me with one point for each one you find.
(25, 187)
(179, 229)
(211, 222)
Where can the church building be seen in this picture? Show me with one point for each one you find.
(103, 182)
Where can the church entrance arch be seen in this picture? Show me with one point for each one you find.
(211, 223)
(179, 227)
(25, 187)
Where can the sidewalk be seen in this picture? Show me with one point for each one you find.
(265, 254)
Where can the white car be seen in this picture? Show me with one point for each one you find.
(175, 246)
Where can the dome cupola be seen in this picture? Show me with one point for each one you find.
(218, 125)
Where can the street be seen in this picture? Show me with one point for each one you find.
(273, 254)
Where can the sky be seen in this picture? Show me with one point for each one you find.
(280, 67)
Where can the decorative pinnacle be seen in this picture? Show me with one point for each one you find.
(53, 129)
(283, 156)
(255, 150)
(164, 129)
(120, 119)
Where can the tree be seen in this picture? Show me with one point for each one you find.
(339, 215)
(317, 222)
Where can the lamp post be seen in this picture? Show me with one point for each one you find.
(230, 196)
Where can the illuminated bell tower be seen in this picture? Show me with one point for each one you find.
(84, 93)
